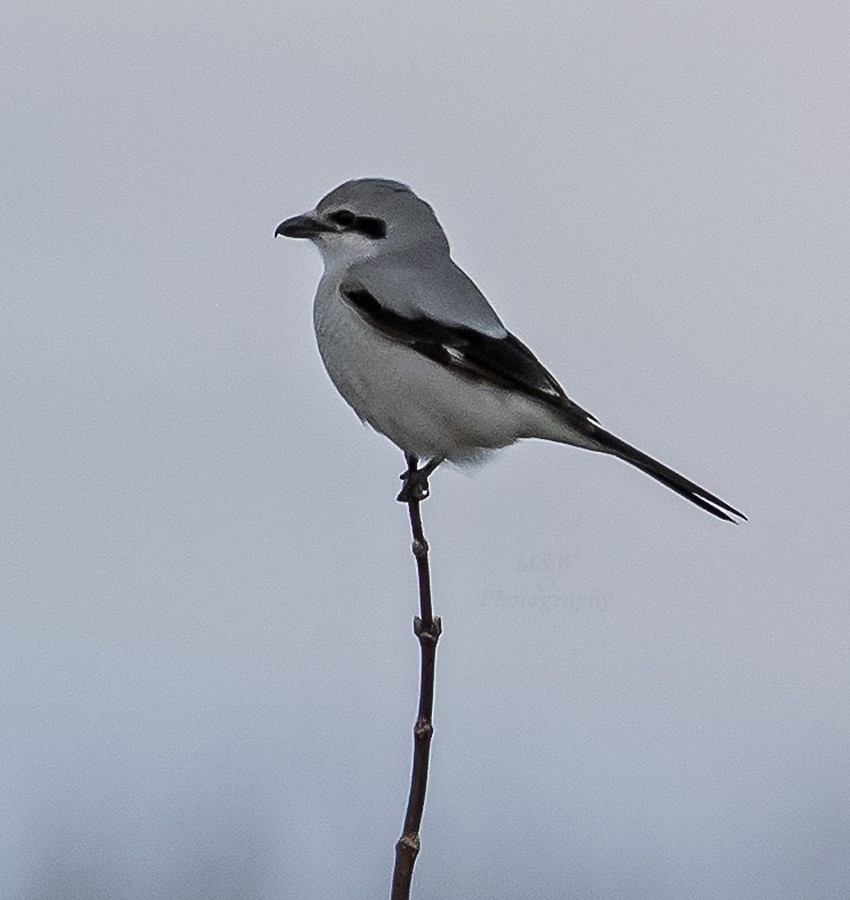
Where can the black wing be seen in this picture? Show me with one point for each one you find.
(503, 361)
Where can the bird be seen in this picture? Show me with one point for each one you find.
(419, 353)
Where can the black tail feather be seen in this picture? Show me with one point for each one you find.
(673, 480)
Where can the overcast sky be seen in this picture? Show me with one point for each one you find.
(207, 672)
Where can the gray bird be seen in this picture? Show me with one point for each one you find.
(417, 351)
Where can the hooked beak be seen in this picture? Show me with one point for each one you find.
(301, 227)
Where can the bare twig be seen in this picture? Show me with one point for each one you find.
(427, 629)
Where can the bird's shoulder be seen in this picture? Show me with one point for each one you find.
(423, 289)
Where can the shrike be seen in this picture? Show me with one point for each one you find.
(417, 351)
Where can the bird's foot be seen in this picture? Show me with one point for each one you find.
(414, 485)
(415, 480)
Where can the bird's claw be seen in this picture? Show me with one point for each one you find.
(414, 486)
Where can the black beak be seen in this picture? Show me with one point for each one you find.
(301, 227)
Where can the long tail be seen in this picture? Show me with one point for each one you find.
(673, 480)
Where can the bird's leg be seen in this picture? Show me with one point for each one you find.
(415, 480)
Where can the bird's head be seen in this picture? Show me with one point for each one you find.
(364, 218)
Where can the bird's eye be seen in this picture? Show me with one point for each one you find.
(343, 217)
(371, 227)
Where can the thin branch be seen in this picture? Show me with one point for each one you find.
(427, 629)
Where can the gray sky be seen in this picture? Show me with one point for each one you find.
(208, 676)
